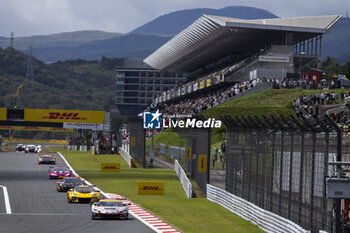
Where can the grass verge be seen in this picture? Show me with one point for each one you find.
(188, 215)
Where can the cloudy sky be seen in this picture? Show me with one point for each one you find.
(41, 17)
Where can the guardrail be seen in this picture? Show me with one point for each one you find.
(127, 157)
(264, 219)
(186, 183)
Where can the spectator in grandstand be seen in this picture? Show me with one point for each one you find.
(305, 106)
(196, 105)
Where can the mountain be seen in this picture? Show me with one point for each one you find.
(66, 39)
(144, 40)
(175, 22)
(129, 45)
(92, 45)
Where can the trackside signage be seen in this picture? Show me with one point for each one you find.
(110, 167)
(54, 115)
(34, 128)
(153, 120)
(3, 114)
(150, 187)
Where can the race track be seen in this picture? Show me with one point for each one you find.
(36, 206)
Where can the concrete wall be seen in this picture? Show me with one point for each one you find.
(277, 50)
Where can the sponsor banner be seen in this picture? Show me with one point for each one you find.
(3, 114)
(110, 167)
(274, 59)
(315, 76)
(92, 126)
(183, 90)
(218, 78)
(150, 187)
(195, 87)
(201, 85)
(208, 82)
(178, 92)
(202, 163)
(34, 128)
(188, 152)
(132, 141)
(189, 88)
(53, 115)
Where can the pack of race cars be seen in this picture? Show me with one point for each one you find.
(77, 190)
(28, 148)
(80, 192)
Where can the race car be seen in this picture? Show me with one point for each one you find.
(107, 208)
(46, 159)
(20, 147)
(33, 148)
(83, 194)
(59, 172)
(67, 183)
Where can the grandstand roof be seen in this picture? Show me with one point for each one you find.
(211, 37)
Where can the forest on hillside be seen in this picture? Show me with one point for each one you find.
(72, 84)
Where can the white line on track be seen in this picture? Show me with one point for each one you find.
(45, 214)
(7, 200)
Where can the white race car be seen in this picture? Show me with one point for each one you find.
(32, 148)
(107, 208)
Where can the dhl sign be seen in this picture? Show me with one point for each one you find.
(3, 114)
(34, 128)
(110, 167)
(150, 187)
(53, 115)
(202, 163)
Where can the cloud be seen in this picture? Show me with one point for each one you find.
(52, 16)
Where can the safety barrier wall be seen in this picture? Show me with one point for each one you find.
(173, 151)
(265, 220)
(162, 149)
(186, 183)
(83, 148)
(126, 156)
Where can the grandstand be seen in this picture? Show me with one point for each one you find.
(215, 51)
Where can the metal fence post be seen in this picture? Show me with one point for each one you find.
(312, 178)
(290, 173)
(250, 171)
(325, 173)
(257, 169)
(272, 168)
(281, 175)
(264, 172)
(245, 173)
(301, 172)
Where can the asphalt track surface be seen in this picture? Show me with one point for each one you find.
(38, 208)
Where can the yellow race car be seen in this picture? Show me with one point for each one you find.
(83, 194)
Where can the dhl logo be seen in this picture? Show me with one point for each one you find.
(150, 187)
(110, 167)
(64, 116)
(156, 188)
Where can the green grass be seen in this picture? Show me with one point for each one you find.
(86, 161)
(270, 102)
(188, 215)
